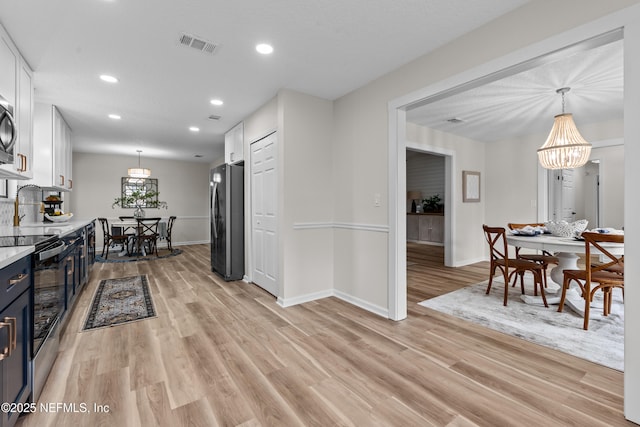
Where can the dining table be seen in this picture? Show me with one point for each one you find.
(122, 226)
(567, 250)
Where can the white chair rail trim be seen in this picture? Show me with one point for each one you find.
(341, 225)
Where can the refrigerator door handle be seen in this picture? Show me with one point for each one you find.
(214, 209)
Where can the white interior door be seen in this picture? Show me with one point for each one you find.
(263, 213)
(562, 196)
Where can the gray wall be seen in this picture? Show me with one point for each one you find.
(183, 185)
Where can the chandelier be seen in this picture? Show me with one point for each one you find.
(565, 148)
(139, 172)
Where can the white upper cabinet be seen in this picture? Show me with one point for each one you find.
(234, 144)
(16, 86)
(52, 148)
(23, 151)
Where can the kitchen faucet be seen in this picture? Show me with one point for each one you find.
(16, 204)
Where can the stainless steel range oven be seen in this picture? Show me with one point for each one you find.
(48, 301)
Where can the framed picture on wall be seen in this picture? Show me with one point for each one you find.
(470, 186)
(4, 188)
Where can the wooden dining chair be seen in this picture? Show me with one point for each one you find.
(496, 238)
(608, 275)
(544, 259)
(169, 230)
(147, 235)
(109, 238)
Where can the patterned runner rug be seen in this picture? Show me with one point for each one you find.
(603, 343)
(120, 301)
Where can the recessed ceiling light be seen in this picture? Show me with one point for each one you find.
(194, 129)
(114, 116)
(264, 48)
(109, 79)
(216, 102)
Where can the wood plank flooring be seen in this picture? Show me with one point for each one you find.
(225, 354)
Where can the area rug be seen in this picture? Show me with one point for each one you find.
(120, 301)
(603, 343)
(162, 253)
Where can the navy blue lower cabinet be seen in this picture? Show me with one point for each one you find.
(15, 338)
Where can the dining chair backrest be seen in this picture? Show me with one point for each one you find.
(148, 226)
(496, 237)
(105, 227)
(123, 218)
(593, 246)
(172, 218)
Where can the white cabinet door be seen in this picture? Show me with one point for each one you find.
(52, 149)
(62, 151)
(23, 152)
(9, 59)
(234, 144)
(14, 75)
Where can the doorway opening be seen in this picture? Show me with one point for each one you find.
(398, 124)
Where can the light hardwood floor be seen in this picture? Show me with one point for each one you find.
(226, 354)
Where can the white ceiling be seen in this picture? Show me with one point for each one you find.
(325, 48)
(525, 103)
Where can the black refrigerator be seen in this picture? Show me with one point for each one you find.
(226, 183)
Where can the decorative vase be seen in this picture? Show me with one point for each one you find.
(138, 213)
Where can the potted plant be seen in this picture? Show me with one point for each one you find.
(432, 204)
(139, 199)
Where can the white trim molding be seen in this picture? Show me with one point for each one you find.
(288, 302)
(341, 225)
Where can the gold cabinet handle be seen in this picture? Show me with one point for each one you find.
(13, 331)
(73, 265)
(9, 322)
(23, 163)
(17, 279)
(61, 179)
(70, 184)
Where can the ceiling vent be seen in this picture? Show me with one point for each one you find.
(455, 120)
(197, 43)
(214, 117)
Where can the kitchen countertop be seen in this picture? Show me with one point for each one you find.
(42, 228)
(12, 254)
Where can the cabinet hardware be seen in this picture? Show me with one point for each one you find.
(70, 184)
(17, 279)
(61, 179)
(23, 163)
(6, 352)
(72, 270)
(13, 331)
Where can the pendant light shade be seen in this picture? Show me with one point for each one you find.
(565, 148)
(139, 172)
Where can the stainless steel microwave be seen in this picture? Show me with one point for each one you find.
(8, 131)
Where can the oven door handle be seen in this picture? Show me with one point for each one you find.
(50, 253)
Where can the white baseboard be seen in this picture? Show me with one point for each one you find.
(380, 311)
(301, 299)
(375, 309)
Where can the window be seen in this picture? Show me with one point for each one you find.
(139, 192)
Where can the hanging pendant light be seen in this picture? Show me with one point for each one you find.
(565, 148)
(139, 172)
